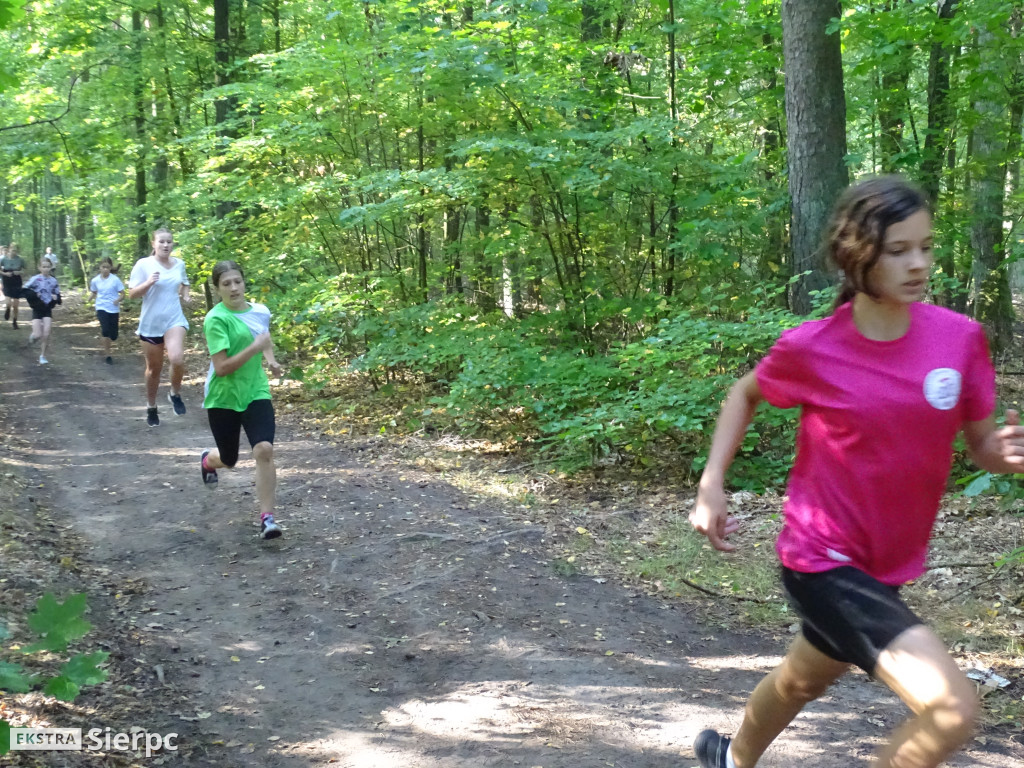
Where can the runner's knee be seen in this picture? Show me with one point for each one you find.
(263, 452)
(794, 687)
(955, 718)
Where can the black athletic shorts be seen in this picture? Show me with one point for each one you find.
(154, 340)
(12, 286)
(108, 323)
(848, 615)
(257, 420)
(39, 314)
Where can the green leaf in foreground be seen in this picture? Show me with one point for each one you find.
(5, 737)
(12, 678)
(61, 688)
(58, 623)
(84, 669)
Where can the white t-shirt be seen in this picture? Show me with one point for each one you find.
(106, 292)
(161, 304)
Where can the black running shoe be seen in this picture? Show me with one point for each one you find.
(178, 404)
(109, 360)
(14, 324)
(152, 417)
(710, 748)
(269, 529)
(7, 313)
(209, 475)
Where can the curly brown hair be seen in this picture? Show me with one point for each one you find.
(856, 233)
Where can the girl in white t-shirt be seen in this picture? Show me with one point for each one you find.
(160, 280)
(107, 294)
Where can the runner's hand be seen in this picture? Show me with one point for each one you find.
(262, 341)
(1011, 439)
(710, 516)
(276, 369)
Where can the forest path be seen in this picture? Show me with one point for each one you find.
(397, 623)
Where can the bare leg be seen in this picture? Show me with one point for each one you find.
(37, 330)
(154, 366)
(266, 477)
(213, 460)
(804, 675)
(919, 669)
(47, 324)
(14, 308)
(174, 342)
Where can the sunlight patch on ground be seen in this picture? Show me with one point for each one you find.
(745, 663)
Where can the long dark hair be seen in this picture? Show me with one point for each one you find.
(856, 233)
(224, 266)
(114, 268)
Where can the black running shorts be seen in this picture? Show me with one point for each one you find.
(108, 323)
(257, 420)
(848, 615)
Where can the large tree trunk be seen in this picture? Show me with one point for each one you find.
(816, 118)
(990, 290)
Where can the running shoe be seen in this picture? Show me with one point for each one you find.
(152, 417)
(43, 360)
(109, 360)
(7, 313)
(177, 403)
(711, 748)
(14, 324)
(209, 475)
(269, 529)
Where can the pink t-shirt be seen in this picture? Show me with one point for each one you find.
(875, 444)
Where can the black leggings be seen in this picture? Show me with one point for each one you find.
(257, 420)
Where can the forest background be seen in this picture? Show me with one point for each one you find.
(569, 225)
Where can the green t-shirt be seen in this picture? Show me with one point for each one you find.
(232, 332)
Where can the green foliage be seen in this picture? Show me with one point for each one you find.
(57, 624)
(1009, 490)
(654, 382)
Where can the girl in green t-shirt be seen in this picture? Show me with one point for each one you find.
(237, 391)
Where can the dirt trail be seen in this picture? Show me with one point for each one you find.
(397, 622)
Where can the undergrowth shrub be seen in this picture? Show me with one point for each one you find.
(658, 385)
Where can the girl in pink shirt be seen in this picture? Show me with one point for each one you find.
(884, 385)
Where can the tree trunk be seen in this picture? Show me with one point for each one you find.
(138, 81)
(990, 290)
(938, 136)
(816, 118)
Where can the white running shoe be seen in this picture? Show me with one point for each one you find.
(43, 360)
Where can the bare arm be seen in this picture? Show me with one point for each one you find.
(710, 514)
(996, 450)
(185, 292)
(268, 355)
(140, 290)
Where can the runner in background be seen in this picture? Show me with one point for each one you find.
(12, 268)
(42, 293)
(161, 282)
(107, 294)
(237, 390)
